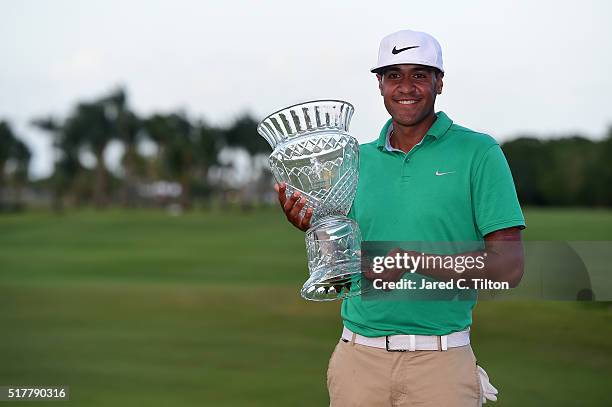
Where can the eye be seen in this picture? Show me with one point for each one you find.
(393, 75)
(419, 76)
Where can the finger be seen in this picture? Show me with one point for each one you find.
(282, 187)
(297, 208)
(289, 203)
(306, 219)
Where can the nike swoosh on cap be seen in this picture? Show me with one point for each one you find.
(396, 51)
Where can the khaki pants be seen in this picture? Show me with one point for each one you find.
(364, 376)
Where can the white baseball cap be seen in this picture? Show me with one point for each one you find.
(409, 47)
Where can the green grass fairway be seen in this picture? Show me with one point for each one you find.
(144, 309)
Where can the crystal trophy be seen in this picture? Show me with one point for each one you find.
(315, 155)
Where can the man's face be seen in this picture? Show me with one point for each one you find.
(409, 92)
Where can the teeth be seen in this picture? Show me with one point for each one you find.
(406, 102)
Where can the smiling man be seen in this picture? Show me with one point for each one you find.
(424, 179)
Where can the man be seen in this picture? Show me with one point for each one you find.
(425, 179)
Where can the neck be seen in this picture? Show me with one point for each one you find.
(406, 137)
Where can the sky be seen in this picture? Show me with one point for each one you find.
(511, 67)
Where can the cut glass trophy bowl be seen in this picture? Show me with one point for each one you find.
(315, 155)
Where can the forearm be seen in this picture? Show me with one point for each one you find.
(503, 263)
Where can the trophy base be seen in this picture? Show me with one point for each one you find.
(340, 282)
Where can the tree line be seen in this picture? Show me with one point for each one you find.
(569, 171)
(185, 151)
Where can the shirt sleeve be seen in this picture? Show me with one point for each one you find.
(494, 198)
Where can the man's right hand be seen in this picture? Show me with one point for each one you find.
(292, 207)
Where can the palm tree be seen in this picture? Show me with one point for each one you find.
(67, 164)
(129, 131)
(91, 126)
(22, 156)
(7, 140)
(177, 143)
(209, 141)
(243, 133)
(16, 151)
(157, 129)
(127, 127)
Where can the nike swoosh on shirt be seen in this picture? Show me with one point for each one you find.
(396, 51)
(438, 173)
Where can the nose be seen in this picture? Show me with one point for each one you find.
(406, 85)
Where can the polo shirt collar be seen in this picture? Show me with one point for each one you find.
(437, 130)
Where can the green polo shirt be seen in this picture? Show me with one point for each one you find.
(454, 186)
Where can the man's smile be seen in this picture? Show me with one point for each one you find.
(407, 101)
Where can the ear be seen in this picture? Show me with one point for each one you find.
(439, 83)
(379, 77)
